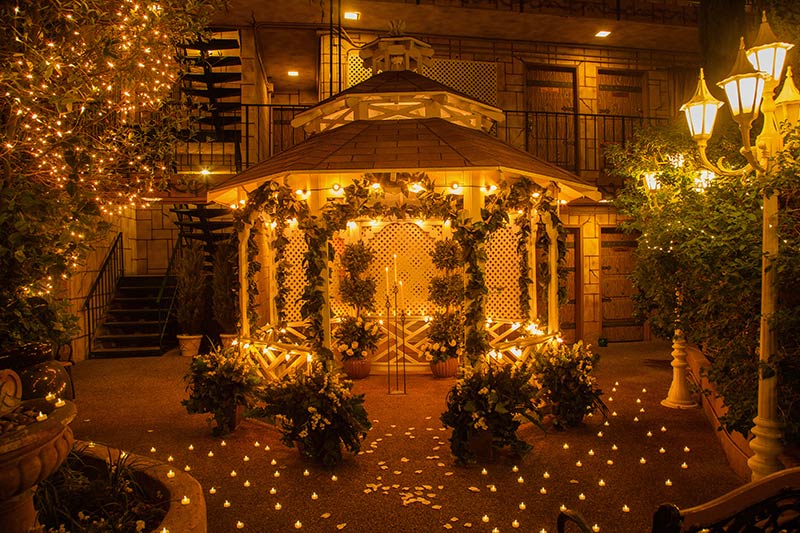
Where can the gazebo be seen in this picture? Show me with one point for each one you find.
(399, 161)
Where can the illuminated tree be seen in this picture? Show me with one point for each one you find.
(86, 128)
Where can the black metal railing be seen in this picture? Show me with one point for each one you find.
(103, 288)
(166, 299)
(573, 141)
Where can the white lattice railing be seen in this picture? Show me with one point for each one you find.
(510, 341)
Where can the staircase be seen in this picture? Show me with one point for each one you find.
(213, 86)
(134, 324)
(207, 223)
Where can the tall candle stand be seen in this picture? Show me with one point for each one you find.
(399, 330)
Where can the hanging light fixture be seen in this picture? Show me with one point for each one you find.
(701, 110)
(768, 54)
(787, 104)
(744, 87)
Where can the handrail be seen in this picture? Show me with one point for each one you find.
(163, 318)
(103, 288)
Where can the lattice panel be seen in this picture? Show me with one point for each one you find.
(414, 266)
(477, 79)
(502, 275)
(338, 307)
(297, 276)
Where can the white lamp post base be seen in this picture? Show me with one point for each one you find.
(678, 396)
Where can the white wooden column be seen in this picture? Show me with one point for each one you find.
(315, 201)
(553, 323)
(533, 289)
(244, 287)
(265, 239)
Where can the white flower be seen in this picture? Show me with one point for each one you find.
(364, 353)
(354, 344)
(342, 347)
(452, 342)
(349, 352)
(436, 346)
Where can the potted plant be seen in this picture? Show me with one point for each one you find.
(486, 406)
(190, 295)
(446, 334)
(317, 411)
(223, 291)
(568, 390)
(222, 382)
(357, 337)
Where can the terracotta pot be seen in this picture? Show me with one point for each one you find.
(357, 368)
(226, 339)
(189, 344)
(445, 369)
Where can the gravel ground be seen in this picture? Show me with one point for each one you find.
(405, 478)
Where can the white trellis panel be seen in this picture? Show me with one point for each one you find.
(296, 280)
(502, 275)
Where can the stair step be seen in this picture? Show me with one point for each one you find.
(214, 77)
(129, 338)
(214, 61)
(200, 211)
(223, 136)
(206, 237)
(143, 280)
(211, 225)
(133, 311)
(218, 107)
(212, 44)
(214, 93)
(128, 351)
(220, 121)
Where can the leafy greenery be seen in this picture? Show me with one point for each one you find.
(86, 129)
(94, 496)
(219, 382)
(318, 412)
(445, 337)
(698, 264)
(190, 290)
(566, 385)
(494, 398)
(355, 338)
(223, 287)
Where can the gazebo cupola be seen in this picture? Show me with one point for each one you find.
(397, 90)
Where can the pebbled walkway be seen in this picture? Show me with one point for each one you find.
(405, 480)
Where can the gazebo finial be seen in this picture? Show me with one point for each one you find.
(396, 51)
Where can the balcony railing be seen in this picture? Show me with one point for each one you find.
(573, 141)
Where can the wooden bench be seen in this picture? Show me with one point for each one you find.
(771, 505)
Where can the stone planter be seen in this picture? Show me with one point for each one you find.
(226, 339)
(445, 369)
(29, 454)
(189, 344)
(189, 518)
(357, 368)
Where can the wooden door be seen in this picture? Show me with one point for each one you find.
(616, 263)
(620, 93)
(570, 311)
(550, 96)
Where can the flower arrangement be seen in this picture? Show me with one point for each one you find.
(568, 387)
(490, 400)
(219, 382)
(445, 337)
(356, 338)
(317, 411)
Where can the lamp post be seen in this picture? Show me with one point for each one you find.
(755, 74)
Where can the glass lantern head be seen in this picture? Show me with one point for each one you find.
(701, 110)
(768, 54)
(744, 88)
(787, 104)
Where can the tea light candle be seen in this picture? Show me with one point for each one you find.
(642, 460)
(191, 447)
(663, 429)
(170, 459)
(239, 524)
(60, 403)
(609, 462)
(566, 446)
(684, 466)
(515, 468)
(492, 488)
(601, 483)
(686, 449)
(185, 500)
(314, 496)
(520, 479)
(635, 418)
(247, 483)
(306, 473)
(485, 518)
(649, 433)
(662, 450)
(298, 525)
(334, 478)
(171, 474)
(546, 475)
(223, 443)
(668, 483)
(266, 448)
(211, 454)
(226, 504)
(233, 473)
(187, 468)
(50, 397)
(278, 506)
(246, 458)
(42, 417)
(522, 506)
(276, 474)
(600, 434)
(581, 496)
(595, 528)
(543, 491)
(562, 508)
(256, 444)
(212, 490)
(273, 462)
(164, 530)
(153, 450)
(626, 509)
(578, 464)
(614, 447)
(515, 524)
(484, 472)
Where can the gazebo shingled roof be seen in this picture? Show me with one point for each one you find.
(369, 146)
